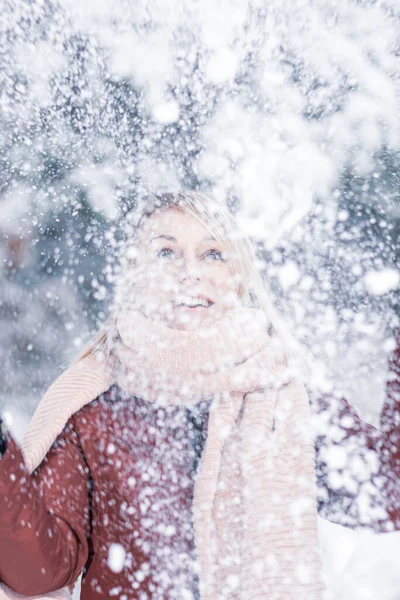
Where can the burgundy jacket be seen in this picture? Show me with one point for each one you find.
(112, 497)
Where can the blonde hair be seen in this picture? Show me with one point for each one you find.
(221, 223)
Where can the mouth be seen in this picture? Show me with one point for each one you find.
(193, 302)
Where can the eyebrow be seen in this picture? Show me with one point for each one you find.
(171, 238)
(165, 237)
(208, 238)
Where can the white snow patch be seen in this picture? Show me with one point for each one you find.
(359, 564)
(382, 282)
(167, 112)
(116, 558)
(289, 274)
(336, 457)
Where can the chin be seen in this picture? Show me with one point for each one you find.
(194, 322)
(183, 326)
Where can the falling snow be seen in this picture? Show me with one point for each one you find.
(286, 112)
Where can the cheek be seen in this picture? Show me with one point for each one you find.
(223, 280)
(154, 278)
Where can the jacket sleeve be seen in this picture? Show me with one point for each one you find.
(390, 445)
(44, 517)
(358, 465)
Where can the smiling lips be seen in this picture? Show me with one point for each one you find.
(193, 302)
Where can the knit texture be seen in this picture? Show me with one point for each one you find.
(254, 508)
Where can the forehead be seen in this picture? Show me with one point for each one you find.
(176, 223)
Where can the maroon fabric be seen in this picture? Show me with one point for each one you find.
(121, 472)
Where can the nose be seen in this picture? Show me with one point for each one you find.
(190, 270)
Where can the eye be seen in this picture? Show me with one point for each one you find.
(166, 253)
(214, 254)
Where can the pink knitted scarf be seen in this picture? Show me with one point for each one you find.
(254, 509)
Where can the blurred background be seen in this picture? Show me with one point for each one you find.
(287, 112)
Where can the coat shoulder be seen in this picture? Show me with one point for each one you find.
(100, 410)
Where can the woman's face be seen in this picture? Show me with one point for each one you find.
(183, 275)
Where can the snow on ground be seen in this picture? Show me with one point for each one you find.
(360, 565)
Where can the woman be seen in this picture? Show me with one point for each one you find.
(174, 458)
